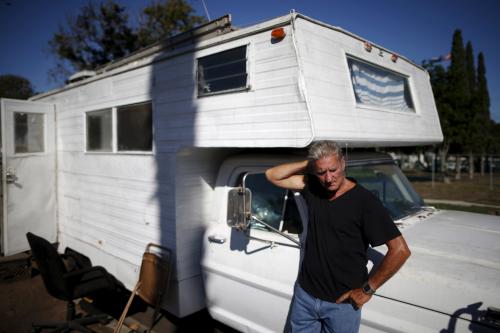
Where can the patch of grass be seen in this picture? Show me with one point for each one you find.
(475, 191)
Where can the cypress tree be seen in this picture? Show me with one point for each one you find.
(482, 104)
(470, 69)
(482, 86)
(459, 87)
(439, 82)
(494, 147)
(472, 116)
(459, 97)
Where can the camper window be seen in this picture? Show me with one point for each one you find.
(379, 87)
(273, 205)
(28, 132)
(99, 131)
(135, 127)
(223, 72)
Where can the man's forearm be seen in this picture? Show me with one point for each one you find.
(287, 170)
(392, 262)
(289, 175)
(396, 256)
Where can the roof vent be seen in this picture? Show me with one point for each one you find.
(82, 75)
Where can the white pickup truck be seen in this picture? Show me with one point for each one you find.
(451, 283)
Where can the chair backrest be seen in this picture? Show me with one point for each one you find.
(51, 267)
(155, 273)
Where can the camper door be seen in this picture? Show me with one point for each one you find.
(28, 173)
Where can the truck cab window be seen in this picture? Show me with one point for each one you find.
(292, 222)
(273, 205)
(390, 186)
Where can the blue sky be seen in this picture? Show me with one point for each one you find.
(416, 29)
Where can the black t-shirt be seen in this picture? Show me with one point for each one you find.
(338, 236)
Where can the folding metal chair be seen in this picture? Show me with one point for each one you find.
(153, 283)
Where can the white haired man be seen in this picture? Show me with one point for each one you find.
(344, 218)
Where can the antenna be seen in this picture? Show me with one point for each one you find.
(206, 10)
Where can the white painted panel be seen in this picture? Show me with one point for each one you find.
(270, 66)
(126, 270)
(28, 174)
(189, 120)
(332, 102)
(195, 182)
(115, 205)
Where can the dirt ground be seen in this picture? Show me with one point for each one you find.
(24, 300)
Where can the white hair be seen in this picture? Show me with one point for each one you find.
(320, 149)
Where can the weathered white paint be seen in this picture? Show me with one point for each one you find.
(29, 201)
(195, 181)
(112, 204)
(460, 275)
(322, 55)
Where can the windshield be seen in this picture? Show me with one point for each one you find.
(389, 184)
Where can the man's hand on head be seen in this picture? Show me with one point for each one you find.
(289, 175)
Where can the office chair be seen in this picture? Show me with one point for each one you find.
(68, 285)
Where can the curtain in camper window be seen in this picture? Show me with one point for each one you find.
(380, 88)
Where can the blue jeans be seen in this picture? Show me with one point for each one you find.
(310, 314)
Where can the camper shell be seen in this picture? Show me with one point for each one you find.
(146, 149)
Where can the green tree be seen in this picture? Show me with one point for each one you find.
(439, 83)
(482, 107)
(494, 146)
(458, 97)
(101, 33)
(472, 116)
(483, 96)
(97, 35)
(459, 93)
(163, 19)
(462, 100)
(13, 86)
(470, 69)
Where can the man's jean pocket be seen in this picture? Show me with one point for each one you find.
(310, 314)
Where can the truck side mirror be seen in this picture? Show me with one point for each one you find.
(238, 208)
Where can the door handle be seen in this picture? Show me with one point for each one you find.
(10, 177)
(216, 239)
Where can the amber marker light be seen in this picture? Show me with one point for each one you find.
(278, 33)
(394, 57)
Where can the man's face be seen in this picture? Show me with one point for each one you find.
(330, 172)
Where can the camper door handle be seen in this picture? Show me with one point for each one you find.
(10, 177)
(217, 239)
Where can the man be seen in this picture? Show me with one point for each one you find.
(344, 218)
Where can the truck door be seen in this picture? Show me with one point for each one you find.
(28, 173)
(250, 275)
